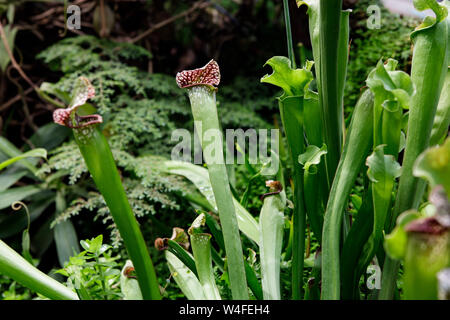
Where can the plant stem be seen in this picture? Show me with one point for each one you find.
(271, 222)
(430, 57)
(357, 146)
(14, 266)
(204, 111)
(291, 109)
(329, 81)
(201, 247)
(101, 165)
(287, 22)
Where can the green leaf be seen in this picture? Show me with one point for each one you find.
(311, 157)
(182, 254)
(16, 267)
(271, 221)
(66, 241)
(185, 278)
(13, 223)
(390, 85)
(382, 172)
(291, 112)
(26, 246)
(11, 195)
(10, 150)
(434, 165)
(356, 148)
(10, 176)
(201, 248)
(37, 153)
(294, 82)
(95, 244)
(392, 91)
(101, 164)
(200, 178)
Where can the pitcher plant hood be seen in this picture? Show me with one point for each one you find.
(83, 91)
(209, 75)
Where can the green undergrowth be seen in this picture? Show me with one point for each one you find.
(140, 111)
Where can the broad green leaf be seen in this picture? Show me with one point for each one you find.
(357, 237)
(129, 286)
(311, 158)
(66, 241)
(37, 153)
(357, 146)
(382, 172)
(11, 195)
(200, 178)
(294, 82)
(291, 111)
(14, 222)
(271, 221)
(434, 165)
(50, 135)
(182, 254)
(10, 176)
(185, 278)
(16, 267)
(11, 151)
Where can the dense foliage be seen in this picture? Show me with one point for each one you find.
(296, 224)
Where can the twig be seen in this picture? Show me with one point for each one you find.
(44, 14)
(13, 60)
(26, 110)
(7, 104)
(197, 5)
(16, 66)
(103, 30)
(62, 25)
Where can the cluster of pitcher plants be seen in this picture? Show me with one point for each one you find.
(395, 150)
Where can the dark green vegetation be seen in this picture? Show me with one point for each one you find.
(354, 155)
